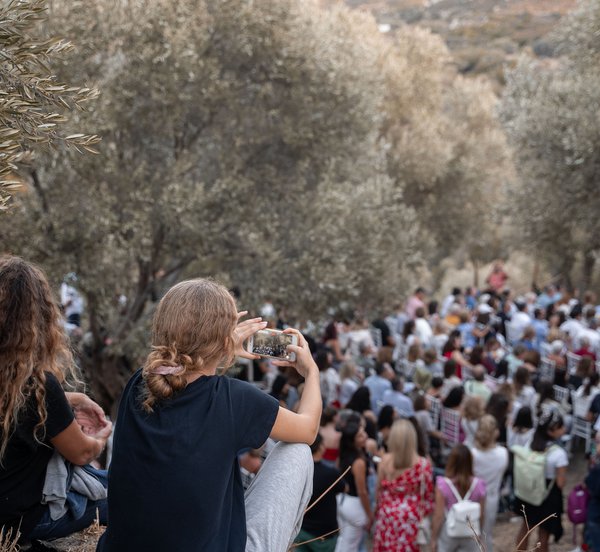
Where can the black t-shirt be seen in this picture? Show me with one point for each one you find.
(382, 326)
(174, 480)
(23, 468)
(322, 517)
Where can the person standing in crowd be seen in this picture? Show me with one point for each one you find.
(449, 300)
(350, 382)
(396, 398)
(550, 429)
(453, 351)
(490, 461)
(540, 326)
(472, 412)
(178, 417)
(414, 302)
(423, 330)
(477, 387)
(329, 435)
(524, 392)
(405, 492)
(459, 473)
(40, 423)
(497, 278)
(521, 430)
(354, 506)
(519, 321)
(70, 300)
(378, 384)
(320, 520)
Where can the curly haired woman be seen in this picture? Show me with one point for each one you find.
(37, 417)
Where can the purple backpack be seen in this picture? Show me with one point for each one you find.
(577, 505)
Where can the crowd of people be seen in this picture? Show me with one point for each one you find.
(462, 384)
(422, 425)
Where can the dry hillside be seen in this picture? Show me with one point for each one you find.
(483, 35)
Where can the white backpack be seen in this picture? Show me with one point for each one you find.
(464, 514)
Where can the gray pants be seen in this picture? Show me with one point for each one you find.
(456, 544)
(277, 498)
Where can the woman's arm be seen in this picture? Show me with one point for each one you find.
(459, 357)
(438, 518)
(79, 448)
(359, 471)
(301, 426)
(561, 477)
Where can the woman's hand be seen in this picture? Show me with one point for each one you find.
(370, 521)
(243, 331)
(304, 362)
(88, 414)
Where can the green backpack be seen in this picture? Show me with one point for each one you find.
(529, 474)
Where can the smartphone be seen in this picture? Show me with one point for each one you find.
(272, 344)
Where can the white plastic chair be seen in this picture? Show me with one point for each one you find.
(546, 370)
(376, 337)
(435, 407)
(561, 394)
(581, 405)
(572, 362)
(583, 429)
(451, 426)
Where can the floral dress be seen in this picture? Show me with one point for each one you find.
(402, 504)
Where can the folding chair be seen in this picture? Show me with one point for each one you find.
(451, 426)
(546, 370)
(583, 429)
(435, 407)
(572, 361)
(561, 394)
(581, 406)
(376, 337)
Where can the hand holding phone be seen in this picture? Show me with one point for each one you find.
(273, 344)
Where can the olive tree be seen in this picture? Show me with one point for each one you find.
(552, 115)
(240, 140)
(32, 101)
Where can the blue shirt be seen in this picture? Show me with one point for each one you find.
(401, 403)
(174, 481)
(377, 386)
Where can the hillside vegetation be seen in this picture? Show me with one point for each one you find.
(482, 35)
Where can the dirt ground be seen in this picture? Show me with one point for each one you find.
(505, 532)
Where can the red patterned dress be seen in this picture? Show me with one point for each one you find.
(401, 505)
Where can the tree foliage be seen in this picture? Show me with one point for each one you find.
(275, 145)
(32, 100)
(448, 149)
(552, 114)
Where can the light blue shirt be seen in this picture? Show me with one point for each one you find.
(401, 403)
(377, 386)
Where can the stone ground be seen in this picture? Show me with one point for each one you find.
(505, 532)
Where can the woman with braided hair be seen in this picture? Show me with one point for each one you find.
(174, 479)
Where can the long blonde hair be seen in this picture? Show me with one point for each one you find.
(402, 444)
(485, 436)
(32, 342)
(193, 326)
